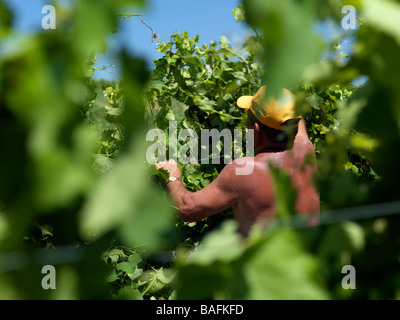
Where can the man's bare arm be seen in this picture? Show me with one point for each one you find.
(195, 206)
(302, 130)
(302, 140)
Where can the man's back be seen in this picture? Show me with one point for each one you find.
(257, 196)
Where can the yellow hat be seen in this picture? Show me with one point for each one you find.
(272, 112)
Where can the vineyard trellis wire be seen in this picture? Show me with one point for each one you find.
(14, 261)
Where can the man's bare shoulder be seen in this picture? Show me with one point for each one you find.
(230, 177)
(246, 166)
(240, 162)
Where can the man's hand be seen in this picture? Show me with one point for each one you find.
(171, 166)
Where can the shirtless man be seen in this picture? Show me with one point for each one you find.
(252, 196)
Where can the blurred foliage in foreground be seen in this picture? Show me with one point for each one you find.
(77, 193)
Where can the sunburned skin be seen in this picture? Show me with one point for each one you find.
(257, 195)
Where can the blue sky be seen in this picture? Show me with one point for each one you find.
(210, 19)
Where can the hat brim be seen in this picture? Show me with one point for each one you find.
(245, 102)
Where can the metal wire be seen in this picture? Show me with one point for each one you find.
(14, 261)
